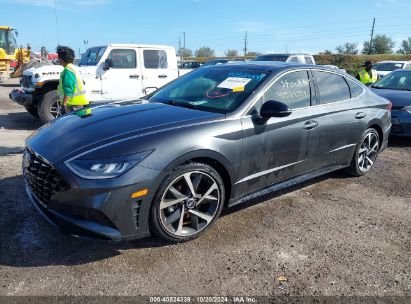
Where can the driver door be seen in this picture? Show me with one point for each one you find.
(280, 148)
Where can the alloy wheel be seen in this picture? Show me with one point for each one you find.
(189, 204)
(368, 152)
(55, 110)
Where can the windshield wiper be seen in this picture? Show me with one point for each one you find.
(181, 104)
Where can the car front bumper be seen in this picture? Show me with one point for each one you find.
(401, 123)
(21, 98)
(100, 209)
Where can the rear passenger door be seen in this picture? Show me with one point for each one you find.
(342, 117)
(156, 68)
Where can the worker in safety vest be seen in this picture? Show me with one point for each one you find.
(71, 88)
(367, 75)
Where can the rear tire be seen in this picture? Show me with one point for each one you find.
(47, 108)
(366, 153)
(187, 203)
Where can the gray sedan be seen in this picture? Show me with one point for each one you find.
(211, 139)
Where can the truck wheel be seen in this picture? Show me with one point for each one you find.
(48, 109)
(33, 111)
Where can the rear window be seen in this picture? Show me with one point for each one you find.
(155, 59)
(308, 60)
(332, 87)
(388, 66)
(355, 89)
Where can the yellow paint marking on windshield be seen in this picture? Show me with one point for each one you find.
(238, 89)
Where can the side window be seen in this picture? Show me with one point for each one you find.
(293, 59)
(355, 89)
(308, 60)
(293, 89)
(155, 59)
(332, 87)
(123, 58)
(408, 66)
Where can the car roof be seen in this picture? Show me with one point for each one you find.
(394, 61)
(273, 66)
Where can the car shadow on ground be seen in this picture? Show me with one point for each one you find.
(399, 142)
(339, 174)
(19, 121)
(9, 85)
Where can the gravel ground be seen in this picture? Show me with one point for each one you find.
(333, 236)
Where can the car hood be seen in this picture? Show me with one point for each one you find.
(83, 130)
(50, 69)
(399, 98)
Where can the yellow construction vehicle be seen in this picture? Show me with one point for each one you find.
(9, 51)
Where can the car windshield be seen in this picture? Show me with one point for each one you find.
(7, 41)
(212, 89)
(388, 66)
(400, 80)
(282, 58)
(92, 56)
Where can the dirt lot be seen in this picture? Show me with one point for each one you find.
(335, 235)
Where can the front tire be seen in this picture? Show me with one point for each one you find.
(48, 107)
(366, 153)
(187, 203)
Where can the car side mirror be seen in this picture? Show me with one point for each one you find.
(108, 63)
(274, 108)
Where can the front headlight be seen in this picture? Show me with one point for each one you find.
(407, 108)
(105, 168)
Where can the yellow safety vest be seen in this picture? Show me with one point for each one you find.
(365, 77)
(79, 96)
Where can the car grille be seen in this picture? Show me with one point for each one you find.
(43, 180)
(26, 81)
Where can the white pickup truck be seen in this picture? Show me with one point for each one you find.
(111, 72)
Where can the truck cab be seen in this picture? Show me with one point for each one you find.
(110, 73)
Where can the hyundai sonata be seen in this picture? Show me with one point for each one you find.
(211, 139)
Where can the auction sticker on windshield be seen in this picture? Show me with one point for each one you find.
(234, 83)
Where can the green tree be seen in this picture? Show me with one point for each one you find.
(205, 51)
(405, 47)
(184, 53)
(231, 53)
(381, 44)
(347, 48)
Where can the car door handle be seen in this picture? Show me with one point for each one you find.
(135, 76)
(360, 115)
(311, 124)
(162, 76)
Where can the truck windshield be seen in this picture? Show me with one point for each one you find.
(7, 41)
(92, 56)
(213, 89)
(388, 66)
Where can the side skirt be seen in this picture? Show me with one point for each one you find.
(284, 184)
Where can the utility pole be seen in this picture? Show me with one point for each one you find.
(286, 49)
(245, 43)
(57, 23)
(179, 46)
(372, 34)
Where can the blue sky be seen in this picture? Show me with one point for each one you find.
(308, 26)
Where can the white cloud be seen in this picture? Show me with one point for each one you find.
(382, 3)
